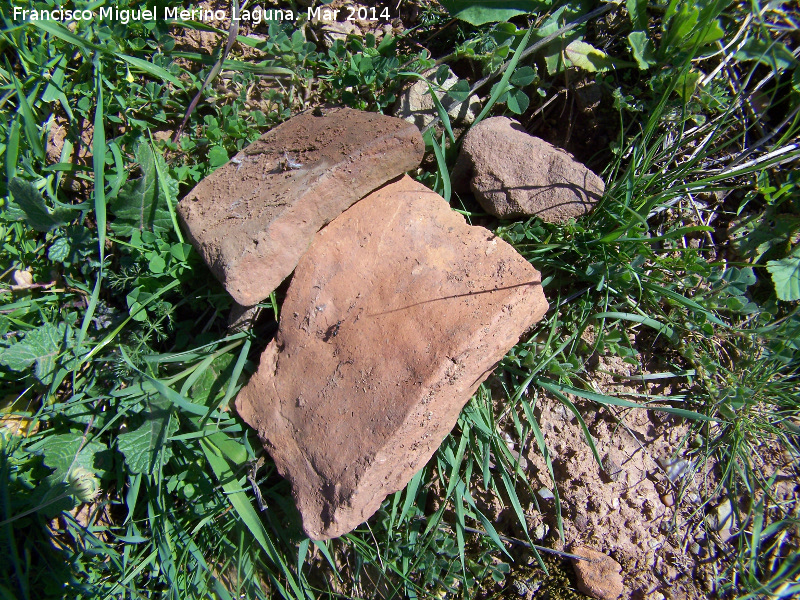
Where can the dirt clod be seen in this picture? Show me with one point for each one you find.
(611, 469)
(600, 578)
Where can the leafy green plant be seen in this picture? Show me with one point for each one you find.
(786, 276)
(514, 97)
(686, 29)
(27, 204)
(362, 74)
(480, 13)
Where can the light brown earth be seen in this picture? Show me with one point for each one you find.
(662, 532)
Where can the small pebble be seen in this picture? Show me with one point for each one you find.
(674, 467)
(520, 587)
(694, 548)
(546, 494)
(581, 523)
(666, 500)
(712, 549)
(709, 581)
(561, 412)
(533, 586)
(612, 470)
(601, 578)
(23, 278)
(724, 515)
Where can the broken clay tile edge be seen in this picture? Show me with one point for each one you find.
(387, 467)
(238, 281)
(345, 520)
(307, 212)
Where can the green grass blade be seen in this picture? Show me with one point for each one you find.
(671, 235)
(256, 68)
(443, 115)
(98, 164)
(458, 501)
(12, 150)
(302, 552)
(247, 514)
(681, 299)
(229, 448)
(151, 69)
(455, 461)
(236, 373)
(755, 537)
(167, 392)
(119, 167)
(586, 434)
(139, 568)
(503, 84)
(109, 337)
(411, 494)
(132, 496)
(162, 184)
(66, 35)
(537, 433)
(554, 387)
(28, 120)
(650, 322)
(514, 499)
(197, 373)
(444, 173)
(488, 527)
(323, 548)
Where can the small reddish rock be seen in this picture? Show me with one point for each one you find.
(394, 316)
(598, 577)
(254, 217)
(514, 174)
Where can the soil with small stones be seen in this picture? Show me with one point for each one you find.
(627, 506)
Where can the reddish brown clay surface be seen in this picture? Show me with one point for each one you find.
(600, 578)
(514, 174)
(393, 318)
(253, 218)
